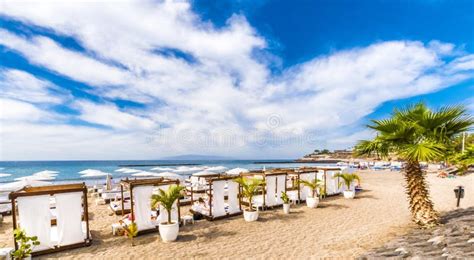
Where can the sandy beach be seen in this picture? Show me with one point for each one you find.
(337, 228)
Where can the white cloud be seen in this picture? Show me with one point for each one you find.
(109, 115)
(226, 100)
(18, 111)
(20, 85)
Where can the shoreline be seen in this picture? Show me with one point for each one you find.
(338, 228)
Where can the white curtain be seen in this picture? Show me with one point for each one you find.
(35, 219)
(270, 198)
(69, 218)
(218, 206)
(233, 196)
(281, 179)
(142, 207)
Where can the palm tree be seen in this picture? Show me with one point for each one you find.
(464, 159)
(313, 185)
(416, 134)
(249, 188)
(167, 198)
(348, 178)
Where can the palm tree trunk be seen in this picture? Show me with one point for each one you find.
(421, 206)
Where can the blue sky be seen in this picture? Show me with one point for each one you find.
(243, 79)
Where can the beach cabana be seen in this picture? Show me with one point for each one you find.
(31, 211)
(332, 185)
(219, 189)
(141, 191)
(274, 185)
(301, 192)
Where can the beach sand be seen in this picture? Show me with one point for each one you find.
(337, 228)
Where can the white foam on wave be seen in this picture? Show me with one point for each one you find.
(45, 175)
(164, 169)
(216, 169)
(128, 170)
(92, 173)
(144, 174)
(4, 175)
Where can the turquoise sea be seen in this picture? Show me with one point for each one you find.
(69, 171)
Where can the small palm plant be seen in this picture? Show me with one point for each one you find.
(131, 231)
(285, 198)
(26, 244)
(167, 198)
(249, 188)
(348, 178)
(313, 185)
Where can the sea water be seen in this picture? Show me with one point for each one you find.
(69, 171)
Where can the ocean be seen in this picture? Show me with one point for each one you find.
(93, 172)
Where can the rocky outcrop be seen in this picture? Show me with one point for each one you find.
(453, 239)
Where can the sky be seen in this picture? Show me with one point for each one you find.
(100, 80)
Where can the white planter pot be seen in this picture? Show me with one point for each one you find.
(169, 232)
(349, 194)
(312, 202)
(250, 216)
(286, 208)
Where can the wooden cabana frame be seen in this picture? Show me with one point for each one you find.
(210, 180)
(156, 182)
(264, 174)
(52, 190)
(192, 190)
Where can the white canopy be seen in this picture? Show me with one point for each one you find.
(18, 185)
(237, 171)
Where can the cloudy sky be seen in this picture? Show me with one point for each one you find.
(244, 79)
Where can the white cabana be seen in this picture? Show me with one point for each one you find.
(34, 215)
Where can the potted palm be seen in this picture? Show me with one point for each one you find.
(168, 230)
(312, 201)
(26, 244)
(249, 188)
(286, 202)
(416, 134)
(348, 178)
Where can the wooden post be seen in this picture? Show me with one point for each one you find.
(121, 195)
(14, 220)
(86, 211)
(210, 198)
(130, 186)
